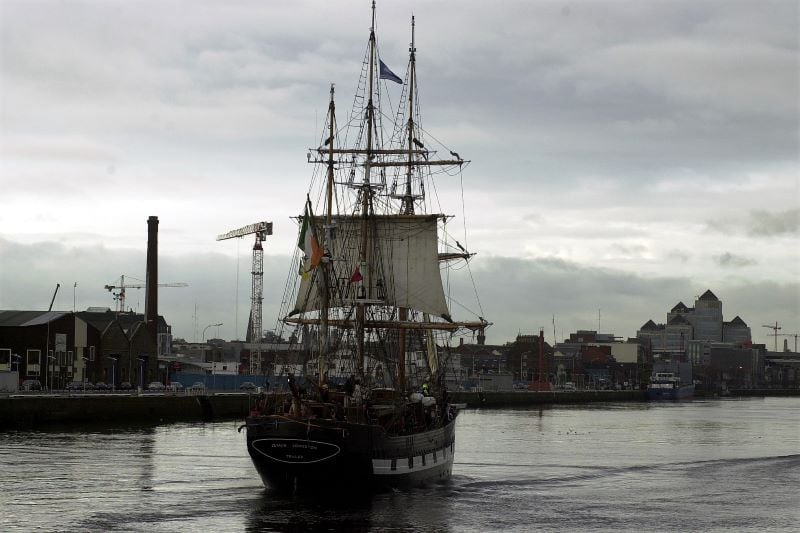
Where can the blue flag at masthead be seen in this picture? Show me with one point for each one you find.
(387, 74)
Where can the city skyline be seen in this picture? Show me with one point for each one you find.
(625, 156)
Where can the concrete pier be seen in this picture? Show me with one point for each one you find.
(42, 410)
(34, 411)
(511, 398)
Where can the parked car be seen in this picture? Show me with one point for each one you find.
(175, 386)
(31, 384)
(248, 386)
(125, 385)
(198, 386)
(73, 385)
(100, 386)
(155, 386)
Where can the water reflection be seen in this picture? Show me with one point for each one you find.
(514, 469)
(333, 512)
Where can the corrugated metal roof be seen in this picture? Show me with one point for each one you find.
(44, 318)
(16, 318)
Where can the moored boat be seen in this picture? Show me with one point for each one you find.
(668, 386)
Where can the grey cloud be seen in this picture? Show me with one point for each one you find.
(516, 294)
(678, 255)
(569, 87)
(734, 261)
(759, 223)
(633, 250)
(523, 295)
(215, 105)
(763, 223)
(534, 219)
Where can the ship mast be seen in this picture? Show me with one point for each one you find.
(366, 194)
(324, 333)
(407, 206)
(408, 200)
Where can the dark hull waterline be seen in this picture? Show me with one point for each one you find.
(316, 454)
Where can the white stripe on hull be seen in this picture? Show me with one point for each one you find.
(417, 463)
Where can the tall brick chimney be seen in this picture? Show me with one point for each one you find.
(151, 279)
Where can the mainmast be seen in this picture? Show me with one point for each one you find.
(408, 200)
(366, 194)
(324, 333)
(407, 206)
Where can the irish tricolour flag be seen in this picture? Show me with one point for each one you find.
(308, 242)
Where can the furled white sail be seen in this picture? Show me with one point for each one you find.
(401, 269)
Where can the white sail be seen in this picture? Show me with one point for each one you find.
(402, 268)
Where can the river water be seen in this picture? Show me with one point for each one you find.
(704, 465)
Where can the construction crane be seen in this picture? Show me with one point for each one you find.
(119, 296)
(260, 230)
(774, 333)
(54, 297)
(795, 335)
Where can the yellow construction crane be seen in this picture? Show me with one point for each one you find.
(261, 230)
(119, 296)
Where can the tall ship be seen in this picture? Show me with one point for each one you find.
(366, 309)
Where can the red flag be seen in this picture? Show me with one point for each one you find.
(356, 277)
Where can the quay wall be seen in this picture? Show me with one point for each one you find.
(764, 392)
(46, 410)
(512, 398)
(42, 410)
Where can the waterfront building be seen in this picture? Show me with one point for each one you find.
(736, 331)
(600, 360)
(522, 357)
(707, 318)
(739, 367)
(781, 369)
(477, 358)
(56, 347)
(703, 323)
(53, 347)
(128, 350)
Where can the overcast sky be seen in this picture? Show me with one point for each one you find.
(625, 155)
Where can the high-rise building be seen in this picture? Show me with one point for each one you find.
(702, 323)
(707, 318)
(736, 331)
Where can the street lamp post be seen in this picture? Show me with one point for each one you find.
(209, 326)
(85, 365)
(48, 371)
(142, 361)
(113, 372)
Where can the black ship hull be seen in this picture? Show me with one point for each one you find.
(308, 454)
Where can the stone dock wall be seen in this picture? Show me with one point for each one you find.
(42, 410)
(511, 398)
